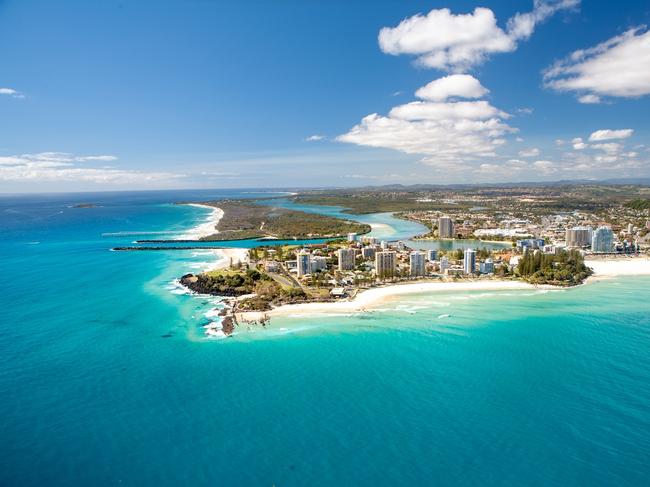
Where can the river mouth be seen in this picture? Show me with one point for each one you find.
(386, 226)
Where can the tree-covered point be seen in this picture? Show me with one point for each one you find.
(270, 294)
(564, 268)
(226, 282)
(246, 220)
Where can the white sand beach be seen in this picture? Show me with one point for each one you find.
(382, 227)
(603, 268)
(209, 227)
(225, 256)
(379, 295)
(619, 266)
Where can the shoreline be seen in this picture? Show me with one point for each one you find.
(209, 227)
(612, 266)
(373, 297)
(225, 256)
(376, 296)
(366, 299)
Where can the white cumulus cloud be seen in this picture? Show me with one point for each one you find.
(95, 158)
(455, 85)
(457, 42)
(314, 138)
(618, 67)
(443, 133)
(474, 110)
(445, 40)
(607, 134)
(11, 92)
(605, 155)
(589, 99)
(532, 152)
(522, 26)
(608, 147)
(578, 144)
(62, 166)
(546, 167)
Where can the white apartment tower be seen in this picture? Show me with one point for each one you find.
(303, 263)
(602, 240)
(469, 264)
(416, 261)
(444, 264)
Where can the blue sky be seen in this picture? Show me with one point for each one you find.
(179, 94)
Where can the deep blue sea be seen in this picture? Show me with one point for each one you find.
(106, 377)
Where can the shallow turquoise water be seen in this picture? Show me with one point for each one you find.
(106, 378)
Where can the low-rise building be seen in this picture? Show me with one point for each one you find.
(318, 263)
(487, 267)
(338, 292)
(368, 240)
(454, 271)
(530, 243)
(368, 253)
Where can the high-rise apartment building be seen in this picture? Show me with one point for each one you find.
(469, 263)
(346, 259)
(303, 263)
(416, 261)
(445, 227)
(578, 236)
(385, 264)
(602, 240)
(444, 264)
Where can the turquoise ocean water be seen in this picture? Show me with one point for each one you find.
(106, 377)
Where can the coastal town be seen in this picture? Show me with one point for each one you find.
(486, 245)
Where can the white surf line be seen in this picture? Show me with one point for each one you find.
(209, 227)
